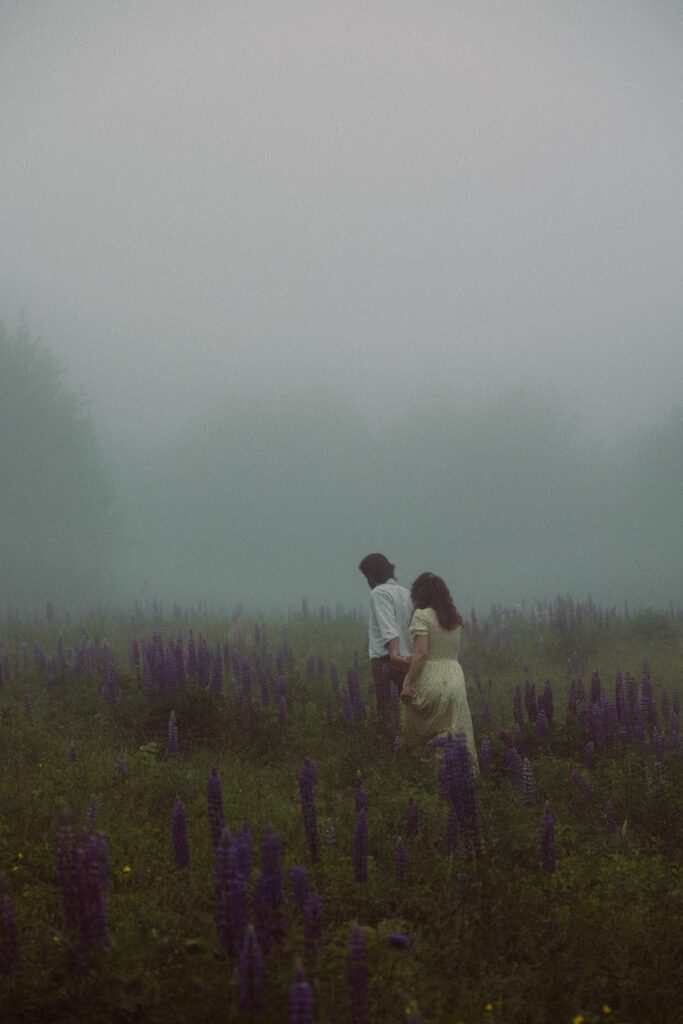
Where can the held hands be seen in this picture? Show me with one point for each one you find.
(397, 659)
(407, 694)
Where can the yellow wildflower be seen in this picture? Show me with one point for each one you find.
(126, 869)
(579, 1019)
(606, 1008)
(489, 1007)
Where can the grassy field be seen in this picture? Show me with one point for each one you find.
(99, 921)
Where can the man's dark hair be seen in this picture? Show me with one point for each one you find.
(378, 567)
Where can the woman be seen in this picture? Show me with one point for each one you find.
(434, 688)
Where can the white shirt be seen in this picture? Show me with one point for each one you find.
(390, 613)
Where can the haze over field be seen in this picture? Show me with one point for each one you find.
(339, 277)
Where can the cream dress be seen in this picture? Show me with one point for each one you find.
(440, 704)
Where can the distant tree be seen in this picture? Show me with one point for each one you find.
(55, 520)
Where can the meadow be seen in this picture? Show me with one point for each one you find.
(203, 819)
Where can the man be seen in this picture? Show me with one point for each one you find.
(389, 642)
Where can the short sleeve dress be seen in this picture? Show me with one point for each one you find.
(440, 706)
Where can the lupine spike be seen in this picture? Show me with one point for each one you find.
(301, 1004)
(358, 978)
(251, 974)
(179, 832)
(548, 849)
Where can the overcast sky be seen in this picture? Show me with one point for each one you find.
(205, 198)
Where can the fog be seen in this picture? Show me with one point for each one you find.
(342, 277)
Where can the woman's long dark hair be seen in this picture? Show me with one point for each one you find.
(430, 591)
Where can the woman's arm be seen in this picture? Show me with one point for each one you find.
(420, 652)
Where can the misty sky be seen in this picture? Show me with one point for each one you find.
(201, 200)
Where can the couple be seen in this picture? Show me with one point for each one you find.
(426, 670)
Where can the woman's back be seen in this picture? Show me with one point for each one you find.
(444, 645)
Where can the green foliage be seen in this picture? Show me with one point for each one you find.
(55, 499)
(492, 940)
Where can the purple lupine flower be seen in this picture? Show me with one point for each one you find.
(542, 727)
(271, 871)
(334, 678)
(401, 862)
(361, 795)
(203, 663)
(620, 698)
(589, 755)
(237, 900)
(548, 704)
(355, 699)
(216, 671)
(530, 702)
(457, 781)
(252, 995)
(172, 747)
(548, 849)
(527, 782)
(358, 978)
(9, 949)
(485, 755)
(82, 872)
(179, 834)
(214, 796)
(360, 848)
(301, 1004)
(452, 831)
(596, 688)
(308, 807)
(72, 756)
(639, 732)
(515, 765)
(27, 707)
(610, 822)
(241, 839)
(192, 657)
(314, 921)
(658, 746)
(504, 737)
(517, 705)
(222, 891)
(298, 881)
(413, 819)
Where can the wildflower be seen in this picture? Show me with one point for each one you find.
(251, 974)
(179, 832)
(298, 878)
(313, 924)
(527, 782)
(548, 849)
(301, 1005)
(606, 1008)
(172, 736)
(126, 869)
(360, 852)
(358, 978)
(399, 941)
(401, 862)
